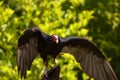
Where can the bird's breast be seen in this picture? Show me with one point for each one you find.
(53, 49)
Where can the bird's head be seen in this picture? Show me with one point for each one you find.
(55, 38)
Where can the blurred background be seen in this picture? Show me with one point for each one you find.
(96, 20)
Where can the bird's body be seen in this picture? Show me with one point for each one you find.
(34, 41)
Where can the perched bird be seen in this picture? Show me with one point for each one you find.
(52, 74)
(33, 41)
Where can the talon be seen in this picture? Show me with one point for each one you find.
(46, 73)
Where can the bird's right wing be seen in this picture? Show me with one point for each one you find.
(27, 51)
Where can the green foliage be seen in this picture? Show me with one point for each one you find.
(99, 21)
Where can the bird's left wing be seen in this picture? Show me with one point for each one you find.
(90, 58)
(27, 51)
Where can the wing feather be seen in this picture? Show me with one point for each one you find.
(90, 58)
(86, 64)
(26, 54)
(98, 71)
(94, 68)
(103, 72)
(89, 69)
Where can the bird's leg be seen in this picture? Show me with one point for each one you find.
(55, 64)
(45, 68)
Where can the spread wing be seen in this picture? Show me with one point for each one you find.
(27, 51)
(90, 58)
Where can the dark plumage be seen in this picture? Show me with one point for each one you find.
(91, 59)
(53, 74)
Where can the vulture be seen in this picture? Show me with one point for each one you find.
(33, 41)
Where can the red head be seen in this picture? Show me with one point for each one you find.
(55, 38)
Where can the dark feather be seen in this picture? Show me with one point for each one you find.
(27, 51)
(53, 74)
(90, 58)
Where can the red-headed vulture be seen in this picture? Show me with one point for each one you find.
(33, 41)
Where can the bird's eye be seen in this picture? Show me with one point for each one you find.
(55, 38)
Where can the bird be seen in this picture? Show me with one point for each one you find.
(33, 42)
(52, 74)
